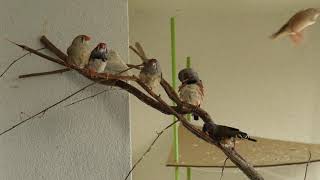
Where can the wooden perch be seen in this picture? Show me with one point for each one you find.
(153, 100)
(44, 73)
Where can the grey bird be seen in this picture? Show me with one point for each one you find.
(151, 73)
(191, 89)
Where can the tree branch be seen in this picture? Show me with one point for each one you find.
(149, 148)
(53, 48)
(46, 109)
(44, 73)
(16, 60)
(156, 102)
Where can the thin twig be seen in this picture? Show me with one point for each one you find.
(38, 53)
(306, 172)
(149, 148)
(44, 73)
(224, 165)
(46, 109)
(16, 60)
(132, 67)
(157, 103)
(92, 96)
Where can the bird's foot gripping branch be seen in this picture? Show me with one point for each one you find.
(90, 65)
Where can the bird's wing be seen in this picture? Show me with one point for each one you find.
(115, 64)
(69, 50)
(201, 87)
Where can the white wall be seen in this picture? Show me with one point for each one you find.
(90, 140)
(267, 88)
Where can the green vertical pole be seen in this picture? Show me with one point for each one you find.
(188, 65)
(174, 78)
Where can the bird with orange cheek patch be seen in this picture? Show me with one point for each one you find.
(79, 51)
(297, 23)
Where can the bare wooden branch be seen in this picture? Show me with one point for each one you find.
(46, 109)
(92, 96)
(16, 60)
(59, 71)
(224, 165)
(53, 48)
(156, 102)
(44, 73)
(149, 148)
(306, 171)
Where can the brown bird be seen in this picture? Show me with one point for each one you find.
(79, 51)
(191, 89)
(297, 23)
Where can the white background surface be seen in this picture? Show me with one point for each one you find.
(87, 141)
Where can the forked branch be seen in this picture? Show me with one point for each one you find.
(151, 99)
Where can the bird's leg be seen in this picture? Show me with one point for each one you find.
(296, 37)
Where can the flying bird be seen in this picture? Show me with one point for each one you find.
(191, 89)
(224, 134)
(98, 58)
(297, 23)
(79, 51)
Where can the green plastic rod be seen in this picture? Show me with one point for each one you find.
(188, 65)
(174, 78)
(189, 177)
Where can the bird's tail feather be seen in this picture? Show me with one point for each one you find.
(244, 135)
(282, 31)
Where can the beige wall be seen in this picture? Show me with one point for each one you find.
(267, 88)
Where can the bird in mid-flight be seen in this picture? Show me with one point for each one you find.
(297, 23)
